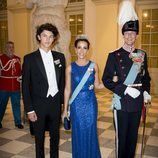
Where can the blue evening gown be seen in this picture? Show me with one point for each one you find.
(83, 114)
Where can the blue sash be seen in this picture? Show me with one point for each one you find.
(129, 80)
(80, 85)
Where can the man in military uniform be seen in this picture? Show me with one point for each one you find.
(126, 75)
(10, 72)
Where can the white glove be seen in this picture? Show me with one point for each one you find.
(133, 92)
(147, 97)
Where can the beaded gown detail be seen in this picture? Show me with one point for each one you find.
(83, 114)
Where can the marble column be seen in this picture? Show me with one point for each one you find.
(51, 11)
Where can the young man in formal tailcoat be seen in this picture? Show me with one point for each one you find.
(43, 88)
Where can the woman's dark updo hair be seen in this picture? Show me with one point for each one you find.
(80, 38)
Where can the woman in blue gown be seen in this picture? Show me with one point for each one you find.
(83, 110)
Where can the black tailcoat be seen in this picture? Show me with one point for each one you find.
(34, 78)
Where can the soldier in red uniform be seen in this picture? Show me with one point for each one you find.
(10, 72)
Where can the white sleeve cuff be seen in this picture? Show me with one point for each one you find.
(30, 112)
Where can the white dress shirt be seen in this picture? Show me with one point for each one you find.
(50, 72)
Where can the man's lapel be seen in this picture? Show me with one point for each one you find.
(56, 65)
(39, 61)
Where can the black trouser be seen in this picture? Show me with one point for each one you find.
(31, 128)
(126, 127)
(49, 115)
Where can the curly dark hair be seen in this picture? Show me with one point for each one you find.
(48, 27)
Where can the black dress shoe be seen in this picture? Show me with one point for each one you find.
(20, 126)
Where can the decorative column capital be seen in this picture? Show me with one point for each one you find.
(16, 5)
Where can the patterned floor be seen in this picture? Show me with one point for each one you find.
(15, 143)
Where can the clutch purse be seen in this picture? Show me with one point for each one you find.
(67, 123)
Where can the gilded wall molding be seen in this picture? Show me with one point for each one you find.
(146, 2)
(101, 2)
(75, 6)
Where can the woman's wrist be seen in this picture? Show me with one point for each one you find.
(65, 111)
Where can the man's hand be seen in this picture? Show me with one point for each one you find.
(32, 116)
(133, 92)
(19, 79)
(147, 99)
(115, 79)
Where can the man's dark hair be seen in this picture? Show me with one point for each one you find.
(47, 27)
(9, 42)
